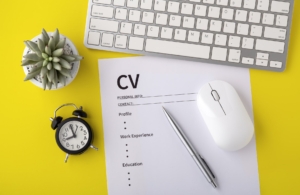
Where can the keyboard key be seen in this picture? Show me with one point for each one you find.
(249, 61)
(180, 34)
(215, 25)
(188, 22)
(187, 8)
(194, 36)
(222, 2)
(227, 13)
(243, 29)
(268, 19)
(102, 11)
(248, 43)
(254, 17)
(102, 1)
(126, 28)
(200, 10)
(161, 19)
(94, 38)
(275, 64)
(275, 33)
(104, 25)
(134, 15)
(234, 55)
(202, 24)
(263, 5)
(166, 33)
(241, 15)
(107, 40)
(280, 7)
(121, 41)
(209, 1)
(175, 20)
(270, 46)
(262, 56)
(146, 4)
(136, 43)
(148, 17)
(207, 38)
(160, 5)
(219, 54)
(234, 41)
(221, 40)
(236, 3)
(133, 3)
(121, 14)
(176, 48)
(153, 31)
(229, 27)
(214, 12)
(173, 7)
(281, 20)
(139, 29)
(256, 31)
(249, 4)
(262, 62)
(119, 2)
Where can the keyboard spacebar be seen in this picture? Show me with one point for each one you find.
(176, 48)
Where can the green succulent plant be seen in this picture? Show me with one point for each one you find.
(49, 60)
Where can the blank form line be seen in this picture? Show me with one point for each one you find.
(155, 103)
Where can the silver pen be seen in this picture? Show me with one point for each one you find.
(197, 158)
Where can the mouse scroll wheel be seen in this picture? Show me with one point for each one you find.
(215, 95)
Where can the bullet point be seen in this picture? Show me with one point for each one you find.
(124, 122)
(128, 178)
(127, 156)
(126, 150)
(129, 184)
(125, 128)
(126, 144)
(128, 173)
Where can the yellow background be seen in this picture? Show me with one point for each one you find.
(31, 162)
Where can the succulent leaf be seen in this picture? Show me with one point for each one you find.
(65, 64)
(55, 79)
(66, 72)
(34, 47)
(61, 43)
(68, 58)
(55, 59)
(45, 36)
(51, 44)
(33, 57)
(41, 45)
(32, 74)
(45, 62)
(49, 84)
(49, 65)
(56, 37)
(58, 52)
(61, 78)
(51, 75)
(77, 57)
(44, 71)
(48, 50)
(27, 62)
(44, 80)
(57, 66)
(45, 56)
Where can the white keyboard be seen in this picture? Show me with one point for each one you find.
(243, 33)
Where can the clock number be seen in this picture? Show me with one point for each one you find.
(82, 143)
(65, 135)
(72, 146)
(64, 139)
(66, 129)
(85, 138)
(78, 146)
(84, 132)
(67, 144)
(81, 128)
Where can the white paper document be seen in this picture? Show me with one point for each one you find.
(144, 156)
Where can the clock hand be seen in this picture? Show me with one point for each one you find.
(70, 137)
(71, 127)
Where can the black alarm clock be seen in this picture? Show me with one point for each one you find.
(73, 135)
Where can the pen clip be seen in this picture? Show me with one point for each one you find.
(207, 167)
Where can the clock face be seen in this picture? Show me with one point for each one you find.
(74, 135)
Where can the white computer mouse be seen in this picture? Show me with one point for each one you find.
(225, 115)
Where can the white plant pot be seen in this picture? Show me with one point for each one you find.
(68, 49)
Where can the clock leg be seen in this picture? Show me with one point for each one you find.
(94, 147)
(67, 156)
